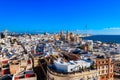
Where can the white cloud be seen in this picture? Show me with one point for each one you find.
(112, 28)
(107, 31)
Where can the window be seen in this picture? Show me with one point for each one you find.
(111, 65)
(103, 67)
(102, 71)
(102, 77)
(106, 61)
(103, 62)
(99, 62)
(111, 76)
(111, 70)
(106, 66)
(106, 71)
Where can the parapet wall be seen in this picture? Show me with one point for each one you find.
(73, 76)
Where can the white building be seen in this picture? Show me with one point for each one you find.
(71, 65)
(90, 44)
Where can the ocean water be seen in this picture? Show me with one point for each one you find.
(104, 38)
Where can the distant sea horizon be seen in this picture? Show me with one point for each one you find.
(104, 38)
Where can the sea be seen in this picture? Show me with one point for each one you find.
(104, 38)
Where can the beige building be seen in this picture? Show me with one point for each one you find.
(105, 68)
(115, 56)
(117, 69)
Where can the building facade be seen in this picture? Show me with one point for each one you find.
(105, 68)
(117, 69)
(87, 75)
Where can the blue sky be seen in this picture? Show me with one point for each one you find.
(101, 16)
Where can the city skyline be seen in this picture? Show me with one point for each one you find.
(101, 17)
